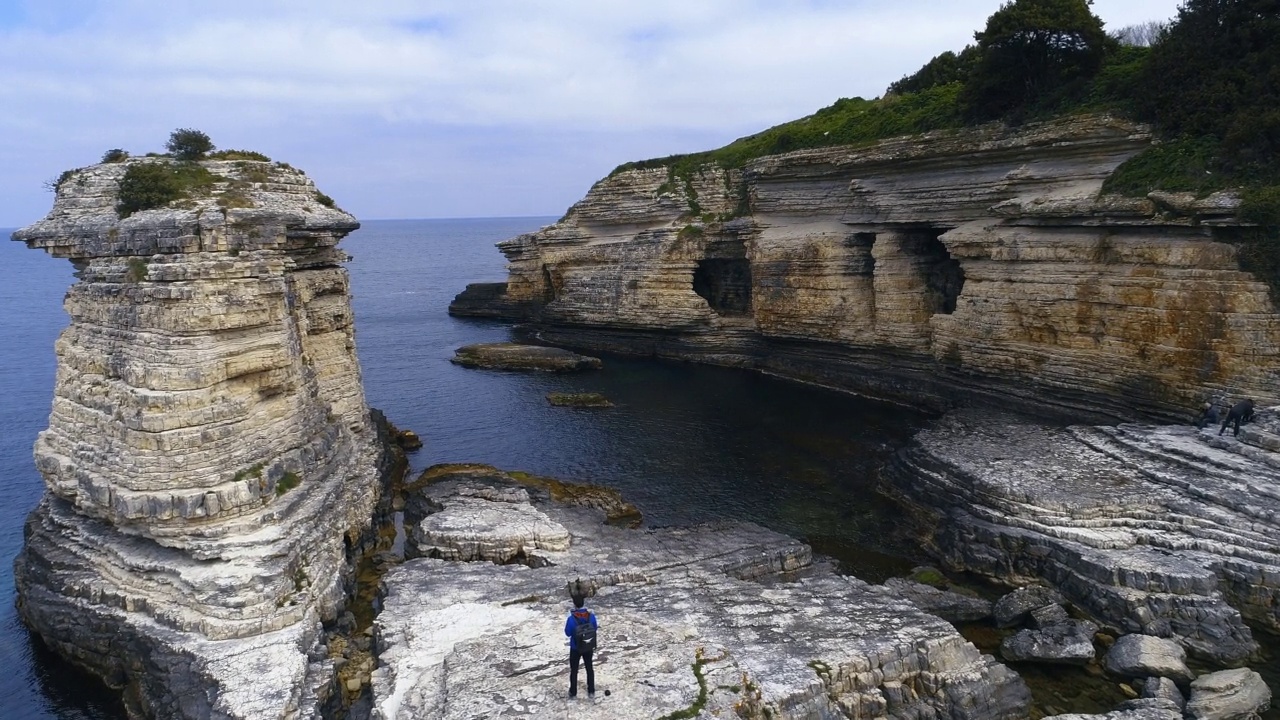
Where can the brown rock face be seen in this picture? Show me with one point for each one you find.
(209, 446)
(977, 263)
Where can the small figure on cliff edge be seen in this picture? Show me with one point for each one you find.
(1209, 415)
(581, 628)
(1240, 413)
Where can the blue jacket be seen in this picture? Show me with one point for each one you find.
(572, 623)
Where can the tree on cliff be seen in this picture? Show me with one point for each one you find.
(1033, 55)
(1216, 73)
(188, 144)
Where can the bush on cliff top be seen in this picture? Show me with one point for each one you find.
(189, 144)
(149, 185)
(1209, 83)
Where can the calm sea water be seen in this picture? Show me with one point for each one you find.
(685, 443)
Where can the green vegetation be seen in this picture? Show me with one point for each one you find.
(287, 482)
(1034, 55)
(152, 185)
(115, 155)
(254, 471)
(699, 702)
(325, 200)
(238, 155)
(189, 144)
(137, 271)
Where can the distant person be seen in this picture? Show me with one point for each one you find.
(1209, 415)
(1241, 412)
(581, 629)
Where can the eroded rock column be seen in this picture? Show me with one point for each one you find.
(209, 461)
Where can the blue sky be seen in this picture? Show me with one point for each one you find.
(413, 108)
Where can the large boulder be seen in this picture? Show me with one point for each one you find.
(1144, 656)
(1238, 694)
(1140, 709)
(1013, 608)
(1070, 643)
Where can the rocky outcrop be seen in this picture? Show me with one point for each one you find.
(1236, 694)
(718, 620)
(1167, 531)
(210, 464)
(514, 356)
(979, 264)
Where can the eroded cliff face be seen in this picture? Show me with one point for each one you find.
(210, 463)
(978, 263)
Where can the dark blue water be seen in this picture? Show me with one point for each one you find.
(683, 442)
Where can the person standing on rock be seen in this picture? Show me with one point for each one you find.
(1240, 413)
(581, 629)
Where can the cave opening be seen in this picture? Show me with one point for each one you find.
(725, 283)
(943, 276)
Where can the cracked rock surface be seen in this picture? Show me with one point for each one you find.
(724, 618)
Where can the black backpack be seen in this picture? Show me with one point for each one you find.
(584, 632)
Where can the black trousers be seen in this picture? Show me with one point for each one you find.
(574, 658)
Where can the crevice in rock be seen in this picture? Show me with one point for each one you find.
(943, 276)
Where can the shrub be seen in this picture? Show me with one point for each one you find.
(325, 200)
(189, 144)
(287, 482)
(238, 155)
(146, 186)
(944, 69)
(1184, 165)
(137, 271)
(115, 155)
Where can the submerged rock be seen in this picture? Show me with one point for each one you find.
(514, 356)
(1140, 709)
(582, 400)
(690, 618)
(950, 606)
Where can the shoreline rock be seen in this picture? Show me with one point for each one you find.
(728, 618)
(579, 400)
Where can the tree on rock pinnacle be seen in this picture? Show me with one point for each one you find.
(189, 144)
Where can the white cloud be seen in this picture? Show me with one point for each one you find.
(254, 73)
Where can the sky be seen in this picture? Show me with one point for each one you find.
(462, 108)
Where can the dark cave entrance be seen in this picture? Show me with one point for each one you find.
(943, 276)
(725, 283)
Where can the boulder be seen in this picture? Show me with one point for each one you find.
(1163, 687)
(1013, 608)
(1143, 656)
(581, 400)
(1238, 694)
(1070, 643)
(1140, 709)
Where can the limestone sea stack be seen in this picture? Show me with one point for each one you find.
(210, 464)
(975, 264)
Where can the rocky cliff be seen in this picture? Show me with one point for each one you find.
(210, 463)
(980, 264)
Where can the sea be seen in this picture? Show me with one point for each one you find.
(685, 443)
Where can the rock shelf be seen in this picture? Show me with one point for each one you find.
(723, 619)
(1167, 531)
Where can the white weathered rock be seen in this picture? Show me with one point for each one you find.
(1069, 643)
(950, 606)
(981, 263)
(1144, 709)
(1238, 694)
(1163, 688)
(680, 609)
(1159, 530)
(209, 365)
(1146, 656)
(1015, 607)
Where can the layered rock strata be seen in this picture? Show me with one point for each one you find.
(973, 264)
(210, 464)
(719, 620)
(1167, 531)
